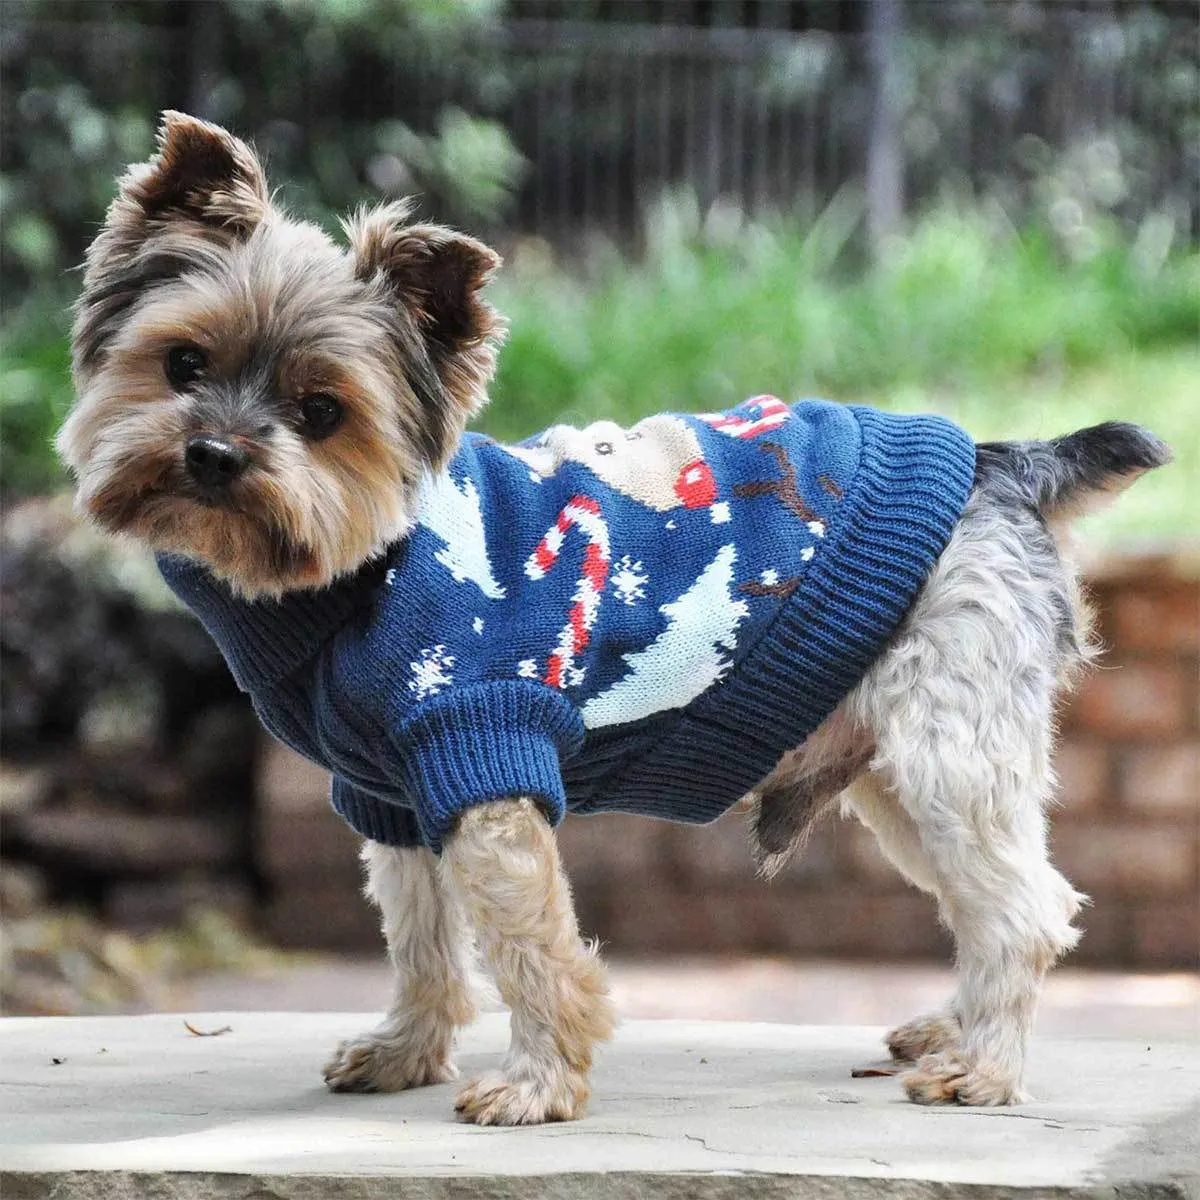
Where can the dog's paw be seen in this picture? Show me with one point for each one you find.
(383, 1062)
(926, 1035)
(495, 1099)
(948, 1079)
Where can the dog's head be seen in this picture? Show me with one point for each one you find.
(253, 395)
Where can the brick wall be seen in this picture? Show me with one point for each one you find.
(1127, 831)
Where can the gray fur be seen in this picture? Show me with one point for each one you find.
(958, 717)
(1049, 475)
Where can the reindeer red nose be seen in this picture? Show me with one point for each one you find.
(695, 486)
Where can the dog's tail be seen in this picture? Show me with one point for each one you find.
(1072, 475)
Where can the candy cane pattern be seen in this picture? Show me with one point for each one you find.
(584, 514)
(772, 413)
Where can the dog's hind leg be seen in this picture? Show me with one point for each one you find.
(961, 707)
(805, 786)
(803, 789)
(430, 949)
(1010, 912)
(900, 840)
(502, 862)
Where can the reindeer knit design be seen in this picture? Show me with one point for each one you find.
(763, 558)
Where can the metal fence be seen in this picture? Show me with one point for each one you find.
(1065, 108)
(1085, 110)
(610, 117)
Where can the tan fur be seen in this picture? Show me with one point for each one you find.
(945, 1077)
(803, 788)
(502, 863)
(925, 1035)
(421, 263)
(194, 253)
(430, 949)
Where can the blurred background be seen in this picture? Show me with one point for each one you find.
(987, 208)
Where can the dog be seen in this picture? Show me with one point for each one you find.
(277, 416)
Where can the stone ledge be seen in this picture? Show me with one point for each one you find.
(139, 1106)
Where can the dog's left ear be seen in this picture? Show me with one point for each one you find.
(435, 276)
(201, 173)
(203, 187)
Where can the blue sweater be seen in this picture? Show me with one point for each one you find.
(636, 620)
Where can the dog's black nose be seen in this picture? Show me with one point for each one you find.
(213, 462)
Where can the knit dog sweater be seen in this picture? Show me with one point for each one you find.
(604, 619)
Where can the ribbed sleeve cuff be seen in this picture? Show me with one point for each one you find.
(262, 640)
(485, 743)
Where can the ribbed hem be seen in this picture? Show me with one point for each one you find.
(914, 478)
(373, 817)
(485, 743)
(263, 640)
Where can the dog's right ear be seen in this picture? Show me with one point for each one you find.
(203, 188)
(200, 173)
(433, 277)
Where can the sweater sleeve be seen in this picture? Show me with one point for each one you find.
(484, 742)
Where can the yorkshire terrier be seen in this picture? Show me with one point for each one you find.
(814, 605)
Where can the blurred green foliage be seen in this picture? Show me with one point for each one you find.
(722, 307)
(1090, 274)
(312, 82)
(968, 315)
(1001, 329)
(35, 394)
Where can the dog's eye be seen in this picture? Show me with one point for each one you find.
(604, 447)
(184, 365)
(322, 414)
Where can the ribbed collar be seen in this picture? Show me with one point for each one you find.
(264, 640)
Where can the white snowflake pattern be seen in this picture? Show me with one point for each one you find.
(806, 554)
(431, 672)
(527, 668)
(670, 524)
(816, 528)
(720, 512)
(477, 625)
(770, 577)
(628, 580)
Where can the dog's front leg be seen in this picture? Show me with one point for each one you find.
(502, 862)
(430, 950)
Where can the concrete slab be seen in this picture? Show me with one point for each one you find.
(1076, 1002)
(111, 1107)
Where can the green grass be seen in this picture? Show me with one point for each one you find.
(1159, 389)
(968, 317)
(703, 322)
